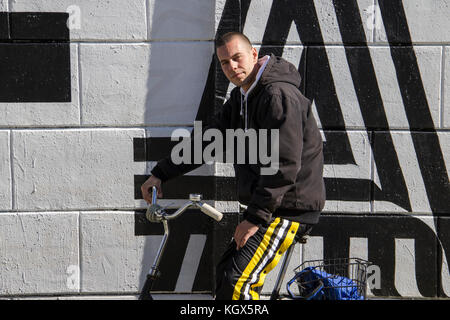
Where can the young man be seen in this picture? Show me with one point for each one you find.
(281, 205)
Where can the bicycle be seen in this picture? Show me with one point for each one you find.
(307, 288)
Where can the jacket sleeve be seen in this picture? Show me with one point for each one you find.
(288, 116)
(166, 169)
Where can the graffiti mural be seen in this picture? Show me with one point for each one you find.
(389, 185)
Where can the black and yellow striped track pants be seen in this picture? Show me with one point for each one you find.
(240, 274)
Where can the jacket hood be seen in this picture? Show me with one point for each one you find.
(280, 70)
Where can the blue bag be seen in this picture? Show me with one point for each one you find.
(315, 284)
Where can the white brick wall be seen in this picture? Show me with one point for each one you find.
(112, 256)
(38, 252)
(429, 60)
(74, 169)
(170, 20)
(427, 21)
(142, 92)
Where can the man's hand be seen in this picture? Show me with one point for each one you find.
(146, 188)
(243, 232)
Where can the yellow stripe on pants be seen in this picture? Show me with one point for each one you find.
(286, 244)
(256, 257)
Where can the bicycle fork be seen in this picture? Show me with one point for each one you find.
(154, 273)
(280, 277)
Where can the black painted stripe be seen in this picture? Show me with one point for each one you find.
(152, 149)
(35, 72)
(4, 26)
(35, 57)
(224, 188)
(427, 146)
(212, 188)
(39, 26)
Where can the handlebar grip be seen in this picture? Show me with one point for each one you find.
(211, 211)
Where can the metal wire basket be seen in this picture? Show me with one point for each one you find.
(330, 279)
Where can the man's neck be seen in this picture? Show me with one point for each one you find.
(252, 78)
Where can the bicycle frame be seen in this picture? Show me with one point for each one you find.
(156, 214)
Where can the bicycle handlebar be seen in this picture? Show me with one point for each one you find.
(156, 213)
(211, 211)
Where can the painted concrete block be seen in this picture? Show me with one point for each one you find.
(5, 171)
(446, 93)
(173, 92)
(39, 26)
(4, 5)
(421, 179)
(443, 225)
(39, 253)
(191, 20)
(393, 82)
(347, 171)
(4, 25)
(46, 107)
(402, 247)
(75, 169)
(345, 22)
(162, 84)
(113, 85)
(227, 16)
(88, 20)
(370, 85)
(292, 22)
(417, 21)
(111, 254)
(118, 249)
(444, 142)
(158, 145)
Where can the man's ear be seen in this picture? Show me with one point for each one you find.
(255, 54)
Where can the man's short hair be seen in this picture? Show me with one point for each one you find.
(225, 38)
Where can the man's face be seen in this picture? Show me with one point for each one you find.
(238, 61)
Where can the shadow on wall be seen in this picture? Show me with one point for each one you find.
(170, 101)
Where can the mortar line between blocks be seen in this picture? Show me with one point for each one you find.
(80, 254)
(11, 168)
(375, 4)
(80, 102)
(372, 173)
(147, 19)
(442, 104)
